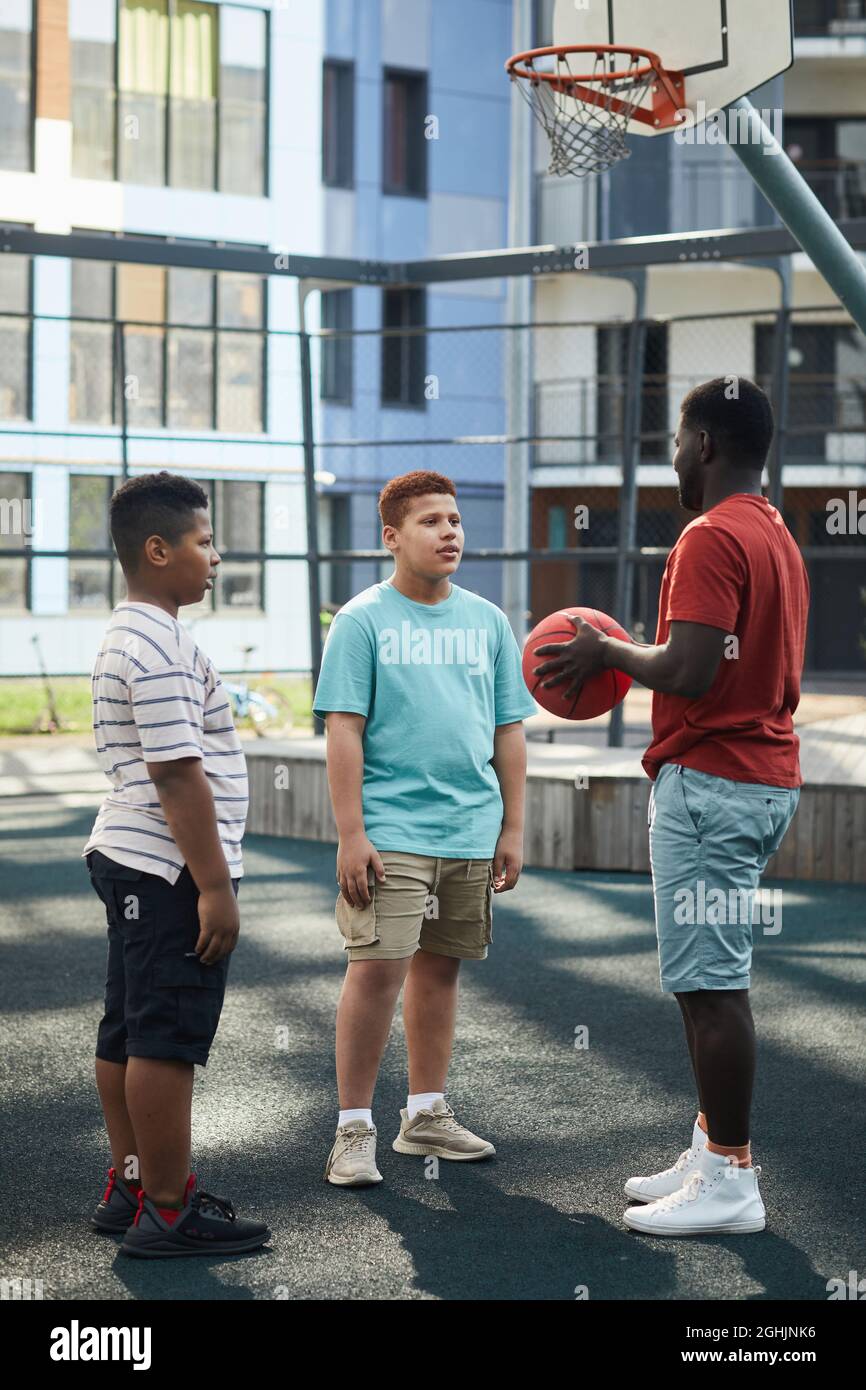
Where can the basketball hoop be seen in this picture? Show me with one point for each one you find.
(586, 114)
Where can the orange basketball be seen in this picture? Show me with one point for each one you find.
(598, 694)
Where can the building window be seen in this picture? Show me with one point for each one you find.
(16, 84)
(239, 524)
(404, 359)
(338, 124)
(612, 364)
(190, 350)
(15, 337)
(830, 153)
(143, 37)
(335, 533)
(238, 520)
(658, 526)
(191, 94)
(404, 168)
(243, 101)
(240, 348)
(206, 370)
(336, 377)
(92, 50)
(16, 522)
(835, 17)
(140, 294)
(90, 580)
(192, 121)
(827, 366)
(604, 528)
(91, 374)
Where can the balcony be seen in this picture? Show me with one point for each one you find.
(830, 19)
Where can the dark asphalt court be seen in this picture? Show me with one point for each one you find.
(537, 1221)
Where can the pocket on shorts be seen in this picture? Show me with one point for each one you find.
(695, 800)
(488, 907)
(779, 814)
(186, 972)
(109, 879)
(358, 925)
(192, 985)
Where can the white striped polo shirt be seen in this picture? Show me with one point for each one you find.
(156, 697)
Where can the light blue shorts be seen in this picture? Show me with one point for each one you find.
(710, 839)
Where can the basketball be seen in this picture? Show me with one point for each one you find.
(598, 694)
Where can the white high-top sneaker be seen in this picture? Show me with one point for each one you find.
(718, 1198)
(672, 1179)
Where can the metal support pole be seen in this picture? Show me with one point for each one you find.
(628, 506)
(787, 191)
(781, 387)
(119, 345)
(310, 499)
(518, 349)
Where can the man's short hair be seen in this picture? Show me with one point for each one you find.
(736, 414)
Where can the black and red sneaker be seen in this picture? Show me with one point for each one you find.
(116, 1211)
(205, 1225)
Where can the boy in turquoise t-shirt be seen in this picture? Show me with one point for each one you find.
(423, 696)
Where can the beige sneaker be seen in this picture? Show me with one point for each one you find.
(352, 1160)
(436, 1131)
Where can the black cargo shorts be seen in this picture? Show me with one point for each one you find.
(160, 1001)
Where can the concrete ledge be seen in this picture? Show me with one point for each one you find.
(602, 825)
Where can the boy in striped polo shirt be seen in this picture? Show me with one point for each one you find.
(164, 857)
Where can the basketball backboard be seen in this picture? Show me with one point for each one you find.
(725, 48)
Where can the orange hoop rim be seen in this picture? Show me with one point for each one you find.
(654, 63)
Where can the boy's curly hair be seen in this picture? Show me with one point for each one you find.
(395, 497)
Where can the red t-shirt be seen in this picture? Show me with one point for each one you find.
(736, 567)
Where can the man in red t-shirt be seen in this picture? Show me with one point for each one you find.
(724, 758)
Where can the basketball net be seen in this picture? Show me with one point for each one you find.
(585, 115)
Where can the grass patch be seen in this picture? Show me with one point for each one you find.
(24, 702)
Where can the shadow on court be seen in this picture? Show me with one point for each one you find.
(542, 1220)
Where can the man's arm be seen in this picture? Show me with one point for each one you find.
(188, 806)
(345, 761)
(707, 572)
(509, 764)
(685, 665)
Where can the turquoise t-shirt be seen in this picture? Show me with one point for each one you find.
(433, 681)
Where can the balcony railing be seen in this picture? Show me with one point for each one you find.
(839, 183)
(829, 18)
(691, 195)
(688, 195)
(579, 420)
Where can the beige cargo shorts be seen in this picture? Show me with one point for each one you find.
(444, 906)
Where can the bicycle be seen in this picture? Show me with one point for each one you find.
(268, 711)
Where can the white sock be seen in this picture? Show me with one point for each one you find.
(423, 1101)
(346, 1116)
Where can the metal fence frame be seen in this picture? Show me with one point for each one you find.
(770, 247)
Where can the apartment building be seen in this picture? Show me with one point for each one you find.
(333, 127)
